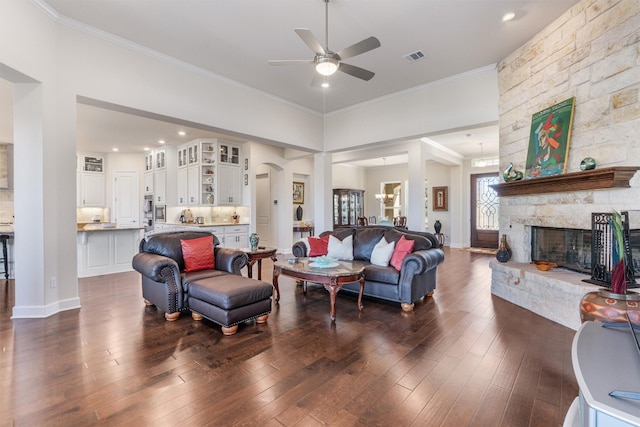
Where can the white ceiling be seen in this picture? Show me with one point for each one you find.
(236, 38)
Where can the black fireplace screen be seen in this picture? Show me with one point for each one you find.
(576, 249)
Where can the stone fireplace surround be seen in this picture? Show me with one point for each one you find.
(591, 53)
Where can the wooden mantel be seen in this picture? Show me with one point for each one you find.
(614, 177)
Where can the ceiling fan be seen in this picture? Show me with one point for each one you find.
(328, 62)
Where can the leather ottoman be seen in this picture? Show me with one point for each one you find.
(229, 300)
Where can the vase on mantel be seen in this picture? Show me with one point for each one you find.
(608, 307)
(504, 250)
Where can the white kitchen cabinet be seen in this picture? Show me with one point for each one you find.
(236, 236)
(229, 153)
(148, 183)
(90, 180)
(160, 187)
(214, 175)
(107, 251)
(193, 185)
(148, 162)
(229, 185)
(160, 174)
(161, 158)
(182, 187)
(92, 190)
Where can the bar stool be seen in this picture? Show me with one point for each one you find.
(3, 240)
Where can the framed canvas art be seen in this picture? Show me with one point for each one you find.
(549, 140)
(298, 192)
(440, 196)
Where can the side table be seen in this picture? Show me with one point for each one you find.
(303, 229)
(258, 255)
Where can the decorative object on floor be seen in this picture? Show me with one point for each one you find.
(437, 226)
(510, 175)
(504, 251)
(611, 247)
(544, 265)
(253, 241)
(608, 307)
(440, 198)
(549, 140)
(587, 163)
(299, 213)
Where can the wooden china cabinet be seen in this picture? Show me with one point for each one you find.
(348, 205)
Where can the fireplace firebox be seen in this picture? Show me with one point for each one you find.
(577, 250)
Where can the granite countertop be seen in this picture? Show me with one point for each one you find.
(6, 229)
(206, 224)
(99, 227)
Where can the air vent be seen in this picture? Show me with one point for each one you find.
(414, 56)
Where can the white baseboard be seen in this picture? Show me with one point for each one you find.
(41, 311)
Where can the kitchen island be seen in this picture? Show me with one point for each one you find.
(106, 249)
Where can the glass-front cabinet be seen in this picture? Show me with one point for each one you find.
(348, 205)
(213, 174)
(229, 153)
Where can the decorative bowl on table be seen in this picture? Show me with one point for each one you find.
(323, 262)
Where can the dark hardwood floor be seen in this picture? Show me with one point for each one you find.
(462, 358)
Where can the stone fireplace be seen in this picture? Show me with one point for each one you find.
(590, 53)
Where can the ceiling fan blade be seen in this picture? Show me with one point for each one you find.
(310, 40)
(290, 61)
(354, 71)
(361, 47)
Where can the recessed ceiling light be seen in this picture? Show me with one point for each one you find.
(325, 84)
(146, 148)
(114, 149)
(182, 133)
(161, 141)
(508, 16)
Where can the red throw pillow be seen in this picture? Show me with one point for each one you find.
(318, 246)
(198, 253)
(403, 248)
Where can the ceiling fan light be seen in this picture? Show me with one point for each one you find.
(326, 66)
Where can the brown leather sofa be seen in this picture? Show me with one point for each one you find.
(415, 280)
(221, 294)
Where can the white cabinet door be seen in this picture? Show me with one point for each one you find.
(93, 190)
(229, 185)
(148, 183)
(193, 185)
(182, 187)
(160, 187)
(236, 236)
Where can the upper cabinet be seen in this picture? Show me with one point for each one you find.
(159, 175)
(229, 153)
(214, 174)
(91, 185)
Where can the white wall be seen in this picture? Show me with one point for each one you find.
(64, 63)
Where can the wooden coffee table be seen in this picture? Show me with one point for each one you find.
(332, 278)
(258, 255)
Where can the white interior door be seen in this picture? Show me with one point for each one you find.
(126, 200)
(263, 209)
